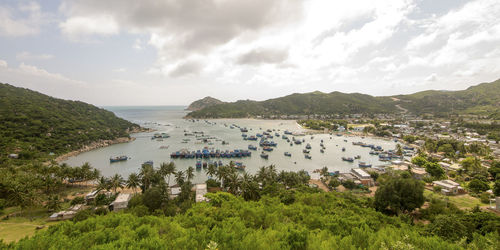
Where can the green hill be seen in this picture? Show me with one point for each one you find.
(301, 104)
(483, 99)
(33, 124)
(203, 103)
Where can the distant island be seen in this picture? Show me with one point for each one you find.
(203, 103)
(482, 99)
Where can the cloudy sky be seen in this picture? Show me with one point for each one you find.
(172, 52)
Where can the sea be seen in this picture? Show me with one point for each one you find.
(170, 120)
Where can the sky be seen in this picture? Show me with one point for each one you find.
(173, 52)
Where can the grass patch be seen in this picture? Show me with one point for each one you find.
(463, 201)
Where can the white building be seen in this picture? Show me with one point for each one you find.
(201, 190)
(120, 203)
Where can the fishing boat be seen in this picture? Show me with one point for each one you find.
(288, 154)
(343, 149)
(357, 157)
(198, 164)
(150, 163)
(308, 156)
(308, 146)
(239, 165)
(364, 165)
(321, 150)
(118, 158)
(252, 147)
(164, 147)
(349, 159)
(291, 144)
(374, 152)
(264, 155)
(305, 151)
(267, 149)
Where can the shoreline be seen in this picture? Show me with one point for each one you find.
(93, 146)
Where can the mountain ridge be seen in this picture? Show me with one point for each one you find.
(481, 99)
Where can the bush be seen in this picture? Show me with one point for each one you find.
(477, 186)
(83, 215)
(349, 184)
(136, 200)
(211, 183)
(140, 211)
(437, 189)
(101, 211)
(77, 200)
(485, 198)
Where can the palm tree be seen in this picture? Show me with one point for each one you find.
(147, 175)
(167, 169)
(211, 170)
(324, 171)
(53, 203)
(116, 182)
(233, 182)
(179, 178)
(249, 187)
(190, 173)
(133, 181)
(103, 184)
(399, 149)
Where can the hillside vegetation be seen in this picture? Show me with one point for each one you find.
(483, 99)
(301, 104)
(33, 125)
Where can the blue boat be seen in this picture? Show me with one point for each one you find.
(288, 154)
(252, 147)
(239, 165)
(264, 155)
(118, 158)
(198, 164)
(349, 159)
(267, 149)
(364, 165)
(308, 157)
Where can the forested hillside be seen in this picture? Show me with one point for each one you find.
(33, 125)
(483, 99)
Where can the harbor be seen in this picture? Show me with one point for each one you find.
(186, 142)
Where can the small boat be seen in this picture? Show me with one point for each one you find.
(239, 165)
(308, 156)
(364, 165)
(288, 154)
(308, 146)
(164, 147)
(305, 151)
(264, 155)
(252, 147)
(267, 149)
(118, 158)
(343, 149)
(150, 163)
(357, 157)
(291, 144)
(198, 164)
(321, 150)
(349, 159)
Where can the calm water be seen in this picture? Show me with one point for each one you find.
(168, 119)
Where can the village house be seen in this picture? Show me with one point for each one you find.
(449, 187)
(120, 203)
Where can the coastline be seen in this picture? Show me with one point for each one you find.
(92, 146)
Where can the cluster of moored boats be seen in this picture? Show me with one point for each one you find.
(210, 153)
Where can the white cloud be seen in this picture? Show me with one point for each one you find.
(12, 25)
(3, 63)
(120, 70)
(80, 27)
(27, 56)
